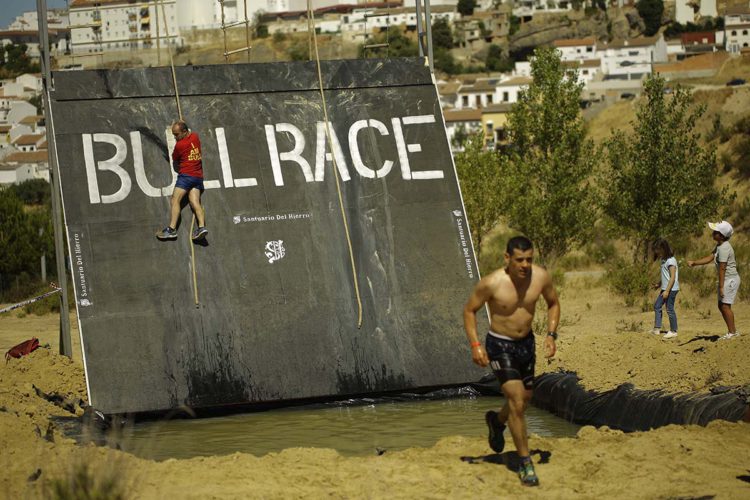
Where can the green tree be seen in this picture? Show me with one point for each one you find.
(15, 61)
(651, 12)
(33, 192)
(445, 62)
(460, 136)
(496, 61)
(479, 173)
(260, 28)
(442, 35)
(515, 25)
(17, 239)
(660, 180)
(466, 7)
(398, 45)
(299, 50)
(546, 193)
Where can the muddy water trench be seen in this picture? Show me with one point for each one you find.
(357, 429)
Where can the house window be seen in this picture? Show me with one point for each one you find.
(744, 32)
(506, 97)
(589, 49)
(633, 53)
(466, 101)
(585, 72)
(478, 101)
(734, 32)
(489, 98)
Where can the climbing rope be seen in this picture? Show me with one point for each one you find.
(179, 112)
(311, 18)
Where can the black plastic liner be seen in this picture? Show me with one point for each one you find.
(630, 409)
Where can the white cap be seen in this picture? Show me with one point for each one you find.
(723, 227)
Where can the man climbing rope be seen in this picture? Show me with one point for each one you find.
(511, 294)
(187, 162)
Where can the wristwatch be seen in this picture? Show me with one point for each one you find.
(552, 334)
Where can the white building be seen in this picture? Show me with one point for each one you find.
(465, 120)
(204, 14)
(5, 139)
(588, 71)
(507, 92)
(737, 29)
(477, 95)
(29, 21)
(485, 92)
(631, 59)
(576, 49)
(32, 82)
(29, 143)
(13, 110)
(278, 6)
(105, 25)
(20, 167)
(527, 8)
(581, 54)
(690, 11)
(367, 20)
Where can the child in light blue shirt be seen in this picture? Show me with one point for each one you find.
(668, 288)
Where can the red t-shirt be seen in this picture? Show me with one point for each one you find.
(187, 155)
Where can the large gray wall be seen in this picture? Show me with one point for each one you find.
(265, 329)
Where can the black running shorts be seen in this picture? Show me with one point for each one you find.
(512, 359)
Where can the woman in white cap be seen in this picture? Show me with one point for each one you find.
(726, 265)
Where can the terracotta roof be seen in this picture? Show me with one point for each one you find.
(462, 115)
(28, 139)
(479, 86)
(4, 129)
(574, 42)
(448, 88)
(92, 3)
(519, 80)
(642, 41)
(587, 63)
(29, 157)
(737, 10)
(502, 107)
(743, 25)
(32, 120)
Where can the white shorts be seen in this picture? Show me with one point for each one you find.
(731, 285)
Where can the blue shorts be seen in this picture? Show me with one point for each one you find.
(188, 182)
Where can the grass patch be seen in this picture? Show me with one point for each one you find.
(84, 483)
(629, 281)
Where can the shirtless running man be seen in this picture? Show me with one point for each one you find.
(511, 294)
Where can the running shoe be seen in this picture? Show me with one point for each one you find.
(656, 331)
(670, 335)
(527, 474)
(199, 233)
(167, 234)
(730, 336)
(495, 439)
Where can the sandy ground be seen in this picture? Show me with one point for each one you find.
(601, 339)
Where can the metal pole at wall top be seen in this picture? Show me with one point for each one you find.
(54, 175)
(428, 27)
(418, 4)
